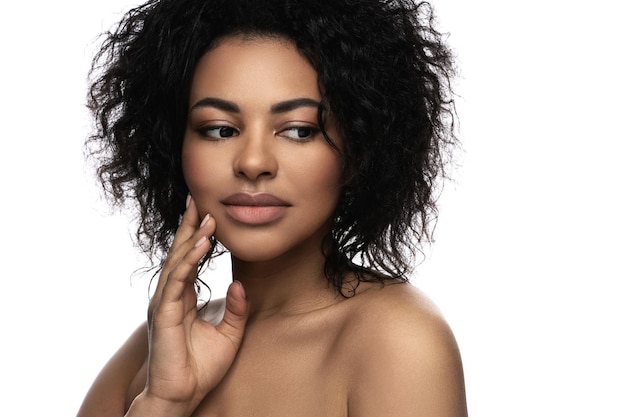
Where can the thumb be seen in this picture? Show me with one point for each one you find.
(236, 314)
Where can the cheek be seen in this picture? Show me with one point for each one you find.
(192, 168)
(199, 173)
(322, 176)
(329, 169)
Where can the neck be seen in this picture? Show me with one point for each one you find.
(285, 286)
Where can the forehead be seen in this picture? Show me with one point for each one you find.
(241, 67)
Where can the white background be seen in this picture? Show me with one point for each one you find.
(529, 260)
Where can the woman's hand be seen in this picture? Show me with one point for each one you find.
(188, 357)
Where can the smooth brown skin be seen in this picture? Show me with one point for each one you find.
(290, 346)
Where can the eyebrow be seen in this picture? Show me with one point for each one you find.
(217, 103)
(289, 105)
(229, 106)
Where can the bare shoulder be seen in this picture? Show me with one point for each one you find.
(399, 313)
(108, 393)
(407, 360)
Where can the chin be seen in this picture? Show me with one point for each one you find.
(250, 256)
(251, 252)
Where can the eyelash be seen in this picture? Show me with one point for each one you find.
(221, 132)
(311, 132)
(207, 130)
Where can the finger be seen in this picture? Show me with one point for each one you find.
(186, 229)
(182, 265)
(236, 315)
(178, 296)
(184, 273)
(188, 224)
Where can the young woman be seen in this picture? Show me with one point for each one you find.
(305, 138)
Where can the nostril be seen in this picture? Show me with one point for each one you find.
(255, 160)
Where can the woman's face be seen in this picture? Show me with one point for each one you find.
(253, 155)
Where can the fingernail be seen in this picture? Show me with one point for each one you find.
(243, 291)
(206, 219)
(200, 242)
(188, 201)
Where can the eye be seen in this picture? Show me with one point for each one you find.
(218, 132)
(299, 133)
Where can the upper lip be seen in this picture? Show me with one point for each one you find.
(260, 199)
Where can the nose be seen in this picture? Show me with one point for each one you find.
(256, 158)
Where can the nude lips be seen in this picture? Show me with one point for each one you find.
(255, 209)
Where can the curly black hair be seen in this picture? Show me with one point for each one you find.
(385, 74)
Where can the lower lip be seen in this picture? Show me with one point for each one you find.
(255, 215)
